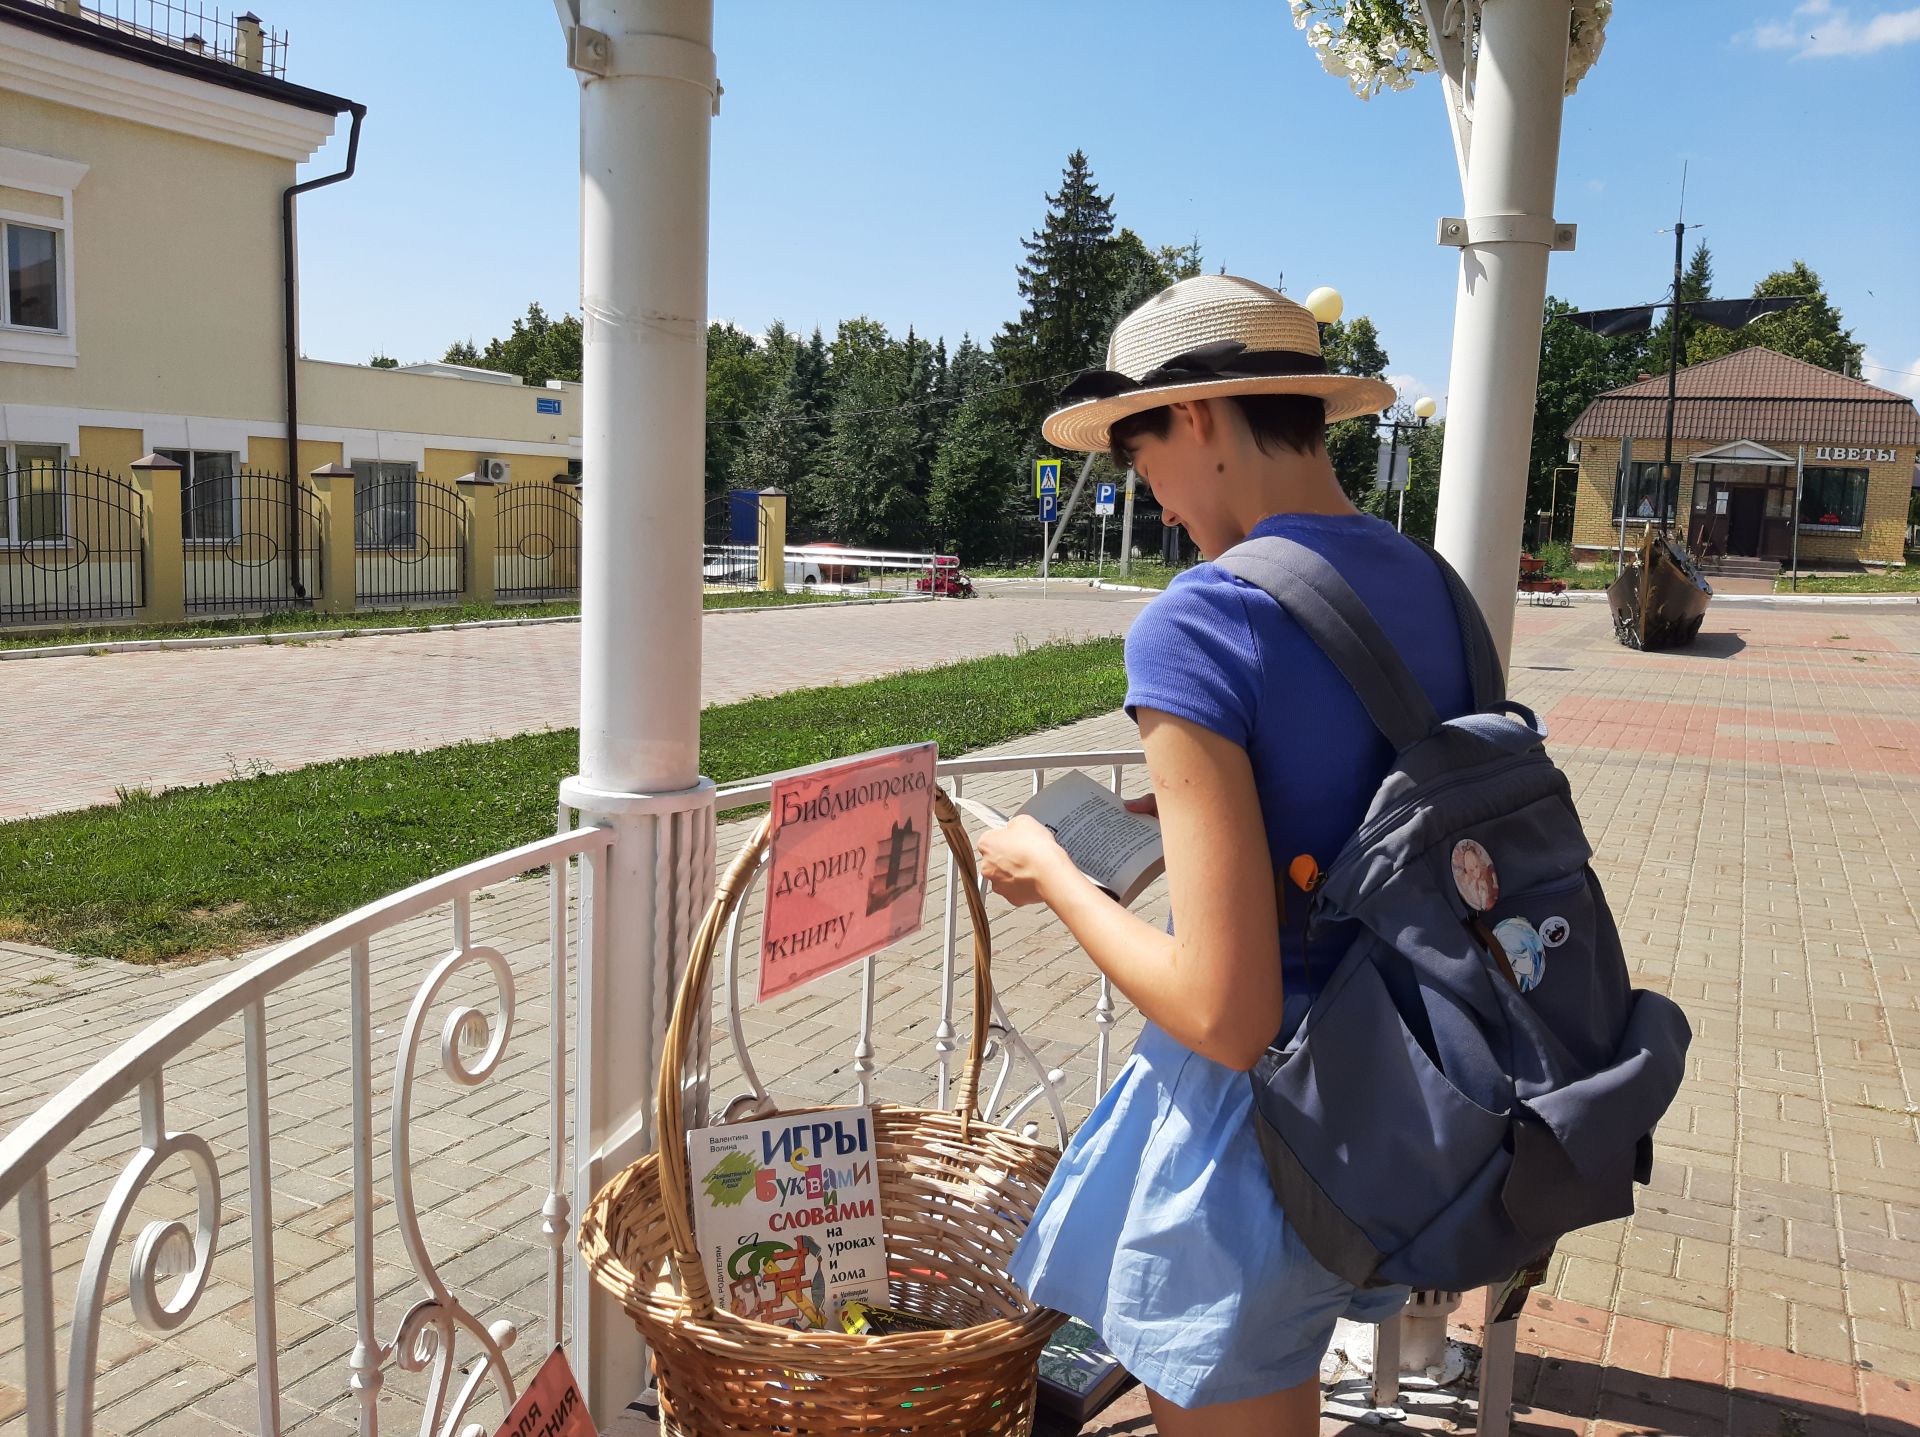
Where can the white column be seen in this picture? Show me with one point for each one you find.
(646, 104)
(1518, 94)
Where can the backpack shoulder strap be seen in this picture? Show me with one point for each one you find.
(1328, 611)
(1483, 659)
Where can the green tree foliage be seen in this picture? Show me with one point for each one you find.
(737, 384)
(978, 494)
(1575, 366)
(866, 490)
(538, 349)
(383, 361)
(1424, 448)
(899, 442)
(1813, 331)
(1353, 347)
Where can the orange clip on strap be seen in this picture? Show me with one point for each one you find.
(1305, 872)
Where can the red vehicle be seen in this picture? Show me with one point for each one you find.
(946, 581)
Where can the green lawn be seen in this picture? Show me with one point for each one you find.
(220, 868)
(305, 621)
(1147, 574)
(1904, 580)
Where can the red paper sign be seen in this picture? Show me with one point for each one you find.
(551, 1406)
(847, 872)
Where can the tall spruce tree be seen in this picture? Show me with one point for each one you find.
(1068, 284)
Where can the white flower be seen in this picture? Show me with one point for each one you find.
(1394, 57)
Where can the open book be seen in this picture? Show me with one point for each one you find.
(1119, 851)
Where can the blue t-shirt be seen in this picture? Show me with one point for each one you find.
(1222, 654)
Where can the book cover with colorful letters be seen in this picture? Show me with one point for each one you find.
(787, 1215)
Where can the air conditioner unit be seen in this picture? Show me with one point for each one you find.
(487, 470)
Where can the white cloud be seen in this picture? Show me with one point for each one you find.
(1901, 378)
(1820, 29)
(1411, 387)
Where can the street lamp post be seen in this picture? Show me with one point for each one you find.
(1423, 409)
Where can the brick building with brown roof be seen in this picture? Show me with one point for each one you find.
(1769, 451)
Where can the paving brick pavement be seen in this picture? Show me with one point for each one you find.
(1769, 1284)
(172, 718)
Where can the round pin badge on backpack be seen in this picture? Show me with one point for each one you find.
(1526, 951)
(1474, 876)
(1555, 931)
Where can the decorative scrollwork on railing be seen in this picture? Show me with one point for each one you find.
(428, 1334)
(165, 1250)
(425, 1342)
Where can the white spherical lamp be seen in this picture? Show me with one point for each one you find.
(1424, 407)
(1325, 304)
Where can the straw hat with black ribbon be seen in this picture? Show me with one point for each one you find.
(1209, 337)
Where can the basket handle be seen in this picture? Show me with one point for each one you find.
(676, 1177)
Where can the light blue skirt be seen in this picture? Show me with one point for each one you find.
(1160, 1231)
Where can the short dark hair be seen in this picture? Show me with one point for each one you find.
(1288, 421)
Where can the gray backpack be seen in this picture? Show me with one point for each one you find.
(1478, 1076)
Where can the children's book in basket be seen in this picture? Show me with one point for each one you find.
(787, 1214)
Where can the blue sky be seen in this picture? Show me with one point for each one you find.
(885, 159)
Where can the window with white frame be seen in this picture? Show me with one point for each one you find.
(36, 258)
(209, 494)
(33, 495)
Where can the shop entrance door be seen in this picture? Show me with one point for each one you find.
(1746, 510)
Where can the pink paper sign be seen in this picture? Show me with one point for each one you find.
(847, 873)
(551, 1406)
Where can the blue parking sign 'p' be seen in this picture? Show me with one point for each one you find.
(1049, 508)
(1103, 499)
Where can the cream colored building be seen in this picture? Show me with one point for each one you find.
(143, 182)
(1775, 461)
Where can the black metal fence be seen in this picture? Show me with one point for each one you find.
(250, 543)
(536, 552)
(410, 542)
(70, 545)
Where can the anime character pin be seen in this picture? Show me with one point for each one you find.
(1525, 950)
(1474, 876)
(1555, 931)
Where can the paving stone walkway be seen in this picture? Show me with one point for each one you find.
(1753, 805)
(204, 715)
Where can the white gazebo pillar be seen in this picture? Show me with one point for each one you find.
(647, 99)
(1509, 154)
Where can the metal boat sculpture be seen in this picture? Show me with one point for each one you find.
(1660, 597)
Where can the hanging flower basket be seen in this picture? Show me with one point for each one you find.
(956, 1194)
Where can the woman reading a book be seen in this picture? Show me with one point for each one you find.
(1160, 1229)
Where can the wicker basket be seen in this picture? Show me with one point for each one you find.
(956, 1193)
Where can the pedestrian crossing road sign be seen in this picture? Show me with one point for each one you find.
(1049, 508)
(1103, 499)
(1046, 477)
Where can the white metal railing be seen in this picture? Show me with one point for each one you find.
(820, 566)
(443, 1334)
(471, 1044)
